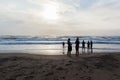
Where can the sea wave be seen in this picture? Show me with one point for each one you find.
(7, 40)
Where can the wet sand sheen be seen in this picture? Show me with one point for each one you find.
(104, 66)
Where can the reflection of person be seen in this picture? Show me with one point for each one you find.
(77, 46)
(83, 46)
(69, 47)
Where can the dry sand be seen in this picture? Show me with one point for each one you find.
(102, 66)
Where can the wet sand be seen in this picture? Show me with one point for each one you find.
(102, 66)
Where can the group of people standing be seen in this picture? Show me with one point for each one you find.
(89, 46)
(77, 43)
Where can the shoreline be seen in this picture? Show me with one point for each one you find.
(55, 53)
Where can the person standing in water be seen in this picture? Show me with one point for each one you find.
(69, 47)
(91, 46)
(88, 46)
(83, 46)
(63, 44)
(77, 42)
(63, 47)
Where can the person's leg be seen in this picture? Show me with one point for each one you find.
(78, 52)
(67, 53)
(91, 50)
(87, 50)
(70, 53)
(84, 49)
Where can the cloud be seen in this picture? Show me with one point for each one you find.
(76, 17)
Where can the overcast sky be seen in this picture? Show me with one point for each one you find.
(60, 17)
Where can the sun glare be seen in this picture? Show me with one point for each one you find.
(50, 12)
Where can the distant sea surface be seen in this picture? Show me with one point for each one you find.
(48, 45)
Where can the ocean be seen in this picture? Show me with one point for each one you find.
(53, 45)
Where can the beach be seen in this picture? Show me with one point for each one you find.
(94, 66)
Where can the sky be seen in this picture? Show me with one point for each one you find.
(60, 17)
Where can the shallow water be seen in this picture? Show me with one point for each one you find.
(53, 49)
(53, 46)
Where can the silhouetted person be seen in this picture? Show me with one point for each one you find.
(63, 44)
(91, 46)
(69, 47)
(63, 47)
(88, 46)
(83, 46)
(77, 42)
